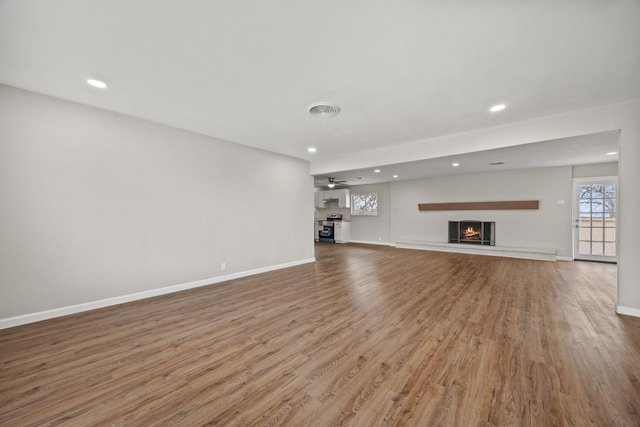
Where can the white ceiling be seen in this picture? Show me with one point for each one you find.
(402, 71)
(579, 150)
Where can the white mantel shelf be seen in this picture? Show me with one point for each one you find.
(543, 254)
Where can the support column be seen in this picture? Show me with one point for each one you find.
(629, 217)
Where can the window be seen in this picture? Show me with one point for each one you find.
(364, 204)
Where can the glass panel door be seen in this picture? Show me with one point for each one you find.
(596, 220)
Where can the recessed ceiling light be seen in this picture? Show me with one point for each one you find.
(312, 149)
(395, 176)
(97, 83)
(498, 107)
(612, 153)
(377, 171)
(455, 165)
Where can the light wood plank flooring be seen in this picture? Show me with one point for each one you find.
(367, 336)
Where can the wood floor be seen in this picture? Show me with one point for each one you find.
(367, 336)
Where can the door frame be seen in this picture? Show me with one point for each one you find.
(575, 209)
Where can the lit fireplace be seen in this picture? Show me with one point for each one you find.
(475, 232)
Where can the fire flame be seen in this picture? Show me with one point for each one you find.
(471, 232)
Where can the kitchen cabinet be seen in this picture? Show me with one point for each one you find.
(343, 196)
(319, 199)
(341, 231)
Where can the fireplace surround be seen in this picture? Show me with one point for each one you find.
(472, 232)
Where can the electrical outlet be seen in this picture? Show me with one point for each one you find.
(223, 266)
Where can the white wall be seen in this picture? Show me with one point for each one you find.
(96, 205)
(594, 170)
(547, 227)
(373, 229)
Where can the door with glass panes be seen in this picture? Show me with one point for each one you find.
(595, 219)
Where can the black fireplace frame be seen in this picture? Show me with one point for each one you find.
(487, 232)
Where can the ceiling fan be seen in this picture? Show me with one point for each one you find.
(333, 182)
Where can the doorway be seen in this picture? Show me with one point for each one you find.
(595, 219)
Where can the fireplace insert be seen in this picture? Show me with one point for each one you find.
(472, 232)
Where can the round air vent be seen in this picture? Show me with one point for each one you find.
(323, 109)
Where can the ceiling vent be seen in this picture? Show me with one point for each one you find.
(323, 109)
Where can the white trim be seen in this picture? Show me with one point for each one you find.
(564, 258)
(597, 178)
(365, 242)
(628, 311)
(10, 322)
(543, 254)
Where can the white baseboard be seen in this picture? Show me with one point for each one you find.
(628, 311)
(10, 322)
(541, 254)
(365, 242)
